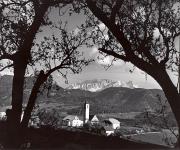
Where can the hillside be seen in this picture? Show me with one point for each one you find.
(5, 90)
(109, 100)
(79, 139)
(114, 99)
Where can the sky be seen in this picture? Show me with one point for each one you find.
(96, 70)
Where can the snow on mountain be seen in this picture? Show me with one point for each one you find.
(100, 84)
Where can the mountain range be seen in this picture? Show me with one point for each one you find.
(101, 84)
(109, 96)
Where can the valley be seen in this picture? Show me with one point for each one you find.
(128, 105)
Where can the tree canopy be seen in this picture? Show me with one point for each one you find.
(20, 23)
(143, 33)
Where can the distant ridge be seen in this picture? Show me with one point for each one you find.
(110, 97)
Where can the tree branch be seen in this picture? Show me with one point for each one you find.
(61, 64)
(8, 66)
(115, 9)
(7, 56)
(166, 58)
(147, 53)
(141, 64)
(130, 56)
(3, 6)
(112, 53)
(112, 27)
(56, 2)
(29, 37)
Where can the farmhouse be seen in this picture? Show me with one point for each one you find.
(2, 115)
(77, 121)
(114, 123)
(93, 119)
(72, 120)
(110, 124)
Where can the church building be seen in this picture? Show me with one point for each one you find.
(77, 121)
(86, 112)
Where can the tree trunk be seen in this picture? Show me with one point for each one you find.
(160, 74)
(17, 93)
(171, 94)
(14, 115)
(32, 99)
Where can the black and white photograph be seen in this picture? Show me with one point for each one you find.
(90, 74)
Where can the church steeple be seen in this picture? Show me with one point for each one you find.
(86, 112)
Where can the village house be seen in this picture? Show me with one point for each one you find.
(93, 119)
(72, 121)
(2, 115)
(77, 121)
(108, 128)
(114, 123)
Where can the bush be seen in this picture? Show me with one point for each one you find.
(49, 118)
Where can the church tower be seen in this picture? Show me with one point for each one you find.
(86, 112)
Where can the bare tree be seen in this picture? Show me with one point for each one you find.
(143, 33)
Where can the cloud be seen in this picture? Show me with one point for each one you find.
(108, 60)
(102, 60)
(101, 26)
(76, 31)
(106, 37)
(118, 62)
(156, 33)
(94, 51)
(6, 72)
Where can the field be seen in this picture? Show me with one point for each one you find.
(129, 115)
(165, 138)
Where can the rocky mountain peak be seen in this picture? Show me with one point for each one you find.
(100, 84)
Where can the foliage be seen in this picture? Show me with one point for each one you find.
(142, 33)
(93, 128)
(49, 118)
(20, 23)
(141, 27)
(160, 120)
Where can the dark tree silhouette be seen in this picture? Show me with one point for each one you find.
(129, 36)
(20, 22)
(143, 33)
(56, 54)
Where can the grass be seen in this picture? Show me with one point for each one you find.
(129, 115)
(49, 138)
(165, 138)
